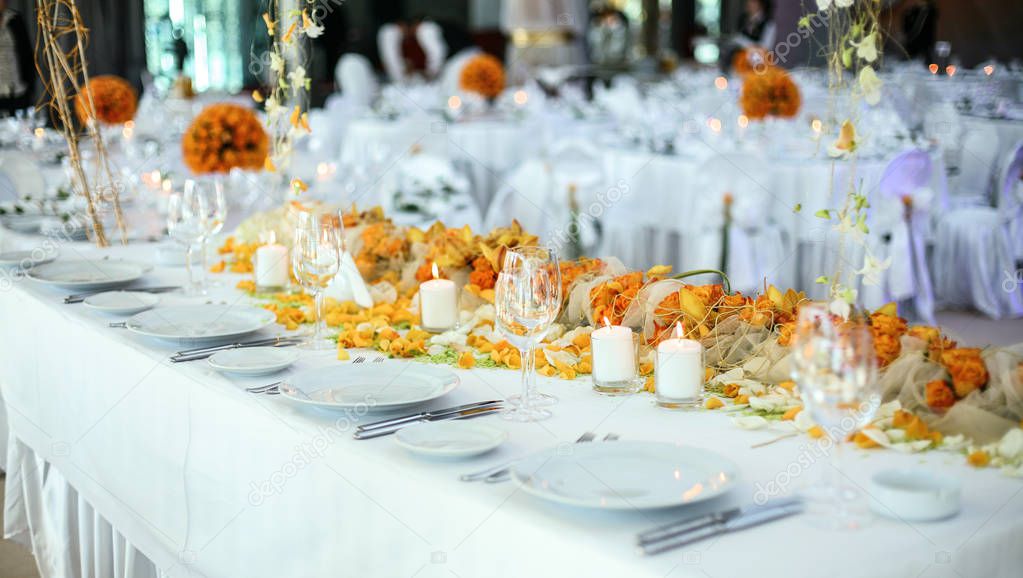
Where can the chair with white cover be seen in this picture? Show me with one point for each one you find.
(542, 194)
(355, 79)
(429, 37)
(1010, 198)
(971, 186)
(451, 74)
(899, 222)
(974, 252)
(757, 249)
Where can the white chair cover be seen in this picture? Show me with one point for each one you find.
(977, 250)
(907, 278)
(431, 183)
(355, 79)
(977, 158)
(1010, 198)
(757, 248)
(452, 72)
(431, 40)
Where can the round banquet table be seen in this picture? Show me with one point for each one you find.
(126, 465)
(484, 149)
(663, 190)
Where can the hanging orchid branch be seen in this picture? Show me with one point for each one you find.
(288, 24)
(853, 50)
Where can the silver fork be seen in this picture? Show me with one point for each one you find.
(269, 389)
(378, 360)
(504, 473)
(359, 359)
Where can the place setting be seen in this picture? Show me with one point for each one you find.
(511, 288)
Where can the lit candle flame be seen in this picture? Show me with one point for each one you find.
(40, 132)
(454, 102)
(743, 121)
(520, 97)
(721, 83)
(816, 125)
(933, 68)
(989, 70)
(436, 272)
(950, 70)
(607, 322)
(714, 124)
(679, 330)
(271, 238)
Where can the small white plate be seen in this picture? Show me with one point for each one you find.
(198, 324)
(450, 439)
(625, 475)
(253, 360)
(915, 495)
(87, 275)
(384, 386)
(26, 259)
(121, 302)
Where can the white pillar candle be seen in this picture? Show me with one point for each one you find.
(614, 354)
(679, 373)
(438, 303)
(271, 265)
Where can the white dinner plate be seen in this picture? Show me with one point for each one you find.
(624, 475)
(370, 386)
(121, 302)
(26, 259)
(253, 360)
(450, 439)
(87, 275)
(193, 324)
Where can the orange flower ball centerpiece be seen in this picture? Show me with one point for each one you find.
(114, 98)
(223, 137)
(770, 92)
(483, 75)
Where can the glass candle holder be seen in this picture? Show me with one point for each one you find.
(615, 350)
(679, 374)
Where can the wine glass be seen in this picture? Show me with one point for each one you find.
(527, 300)
(216, 214)
(191, 215)
(835, 365)
(315, 260)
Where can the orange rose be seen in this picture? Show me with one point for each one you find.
(888, 324)
(769, 93)
(967, 369)
(115, 100)
(887, 348)
(483, 75)
(939, 395)
(222, 137)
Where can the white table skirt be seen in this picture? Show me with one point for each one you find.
(205, 479)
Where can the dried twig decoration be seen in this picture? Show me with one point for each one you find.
(60, 60)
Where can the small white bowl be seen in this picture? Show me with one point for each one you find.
(450, 439)
(253, 361)
(915, 495)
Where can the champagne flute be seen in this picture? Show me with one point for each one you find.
(527, 301)
(187, 223)
(212, 212)
(835, 365)
(315, 260)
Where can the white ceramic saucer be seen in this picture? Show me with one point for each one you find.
(450, 439)
(916, 495)
(121, 302)
(253, 360)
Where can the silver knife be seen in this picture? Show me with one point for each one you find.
(680, 527)
(200, 353)
(79, 297)
(746, 519)
(466, 414)
(423, 415)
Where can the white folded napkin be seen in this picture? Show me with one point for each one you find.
(348, 284)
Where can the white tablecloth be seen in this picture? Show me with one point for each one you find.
(205, 479)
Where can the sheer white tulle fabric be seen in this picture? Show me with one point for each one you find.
(974, 253)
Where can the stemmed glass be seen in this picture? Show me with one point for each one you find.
(193, 214)
(835, 365)
(315, 260)
(217, 215)
(527, 300)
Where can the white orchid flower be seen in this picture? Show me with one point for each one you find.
(276, 63)
(870, 84)
(872, 269)
(749, 422)
(1011, 445)
(866, 50)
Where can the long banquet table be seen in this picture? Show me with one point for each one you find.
(176, 468)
